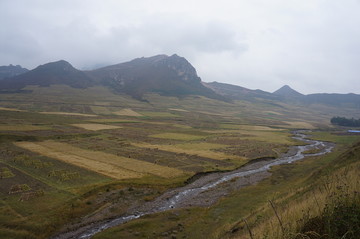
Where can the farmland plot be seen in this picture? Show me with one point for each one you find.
(107, 164)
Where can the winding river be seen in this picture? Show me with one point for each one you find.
(198, 190)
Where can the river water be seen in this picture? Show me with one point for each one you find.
(184, 196)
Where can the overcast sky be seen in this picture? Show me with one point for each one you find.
(311, 45)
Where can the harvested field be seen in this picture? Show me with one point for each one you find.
(126, 112)
(179, 110)
(95, 127)
(23, 127)
(178, 136)
(298, 125)
(11, 109)
(107, 164)
(114, 120)
(159, 114)
(67, 113)
(248, 127)
(199, 149)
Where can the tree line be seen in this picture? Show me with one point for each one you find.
(342, 121)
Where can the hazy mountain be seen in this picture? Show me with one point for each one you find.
(338, 100)
(166, 75)
(54, 73)
(11, 71)
(288, 92)
(239, 93)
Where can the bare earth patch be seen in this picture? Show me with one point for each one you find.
(95, 127)
(107, 164)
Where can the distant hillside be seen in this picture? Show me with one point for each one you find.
(166, 75)
(54, 73)
(11, 71)
(239, 93)
(338, 100)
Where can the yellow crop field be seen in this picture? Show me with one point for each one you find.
(180, 110)
(67, 113)
(199, 149)
(248, 127)
(126, 112)
(107, 164)
(298, 125)
(11, 109)
(22, 127)
(95, 127)
(177, 136)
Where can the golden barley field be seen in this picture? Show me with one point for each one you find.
(107, 164)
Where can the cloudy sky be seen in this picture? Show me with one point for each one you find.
(311, 45)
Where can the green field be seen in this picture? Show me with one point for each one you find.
(67, 154)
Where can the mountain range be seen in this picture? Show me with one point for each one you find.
(166, 75)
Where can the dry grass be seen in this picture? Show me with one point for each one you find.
(177, 136)
(103, 163)
(298, 125)
(199, 149)
(11, 109)
(23, 127)
(248, 127)
(95, 127)
(100, 110)
(297, 213)
(179, 110)
(67, 113)
(259, 133)
(127, 112)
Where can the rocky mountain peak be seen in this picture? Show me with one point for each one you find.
(181, 66)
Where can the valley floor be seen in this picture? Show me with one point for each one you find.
(66, 164)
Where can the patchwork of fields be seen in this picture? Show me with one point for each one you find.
(60, 160)
(110, 165)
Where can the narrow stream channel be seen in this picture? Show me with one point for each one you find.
(180, 197)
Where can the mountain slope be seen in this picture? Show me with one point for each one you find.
(167, 75)
(54, 73)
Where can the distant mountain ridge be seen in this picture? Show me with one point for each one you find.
(53, 73)
(11, 71)
(166, 75)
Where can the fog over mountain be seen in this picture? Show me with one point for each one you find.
(311, 45)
